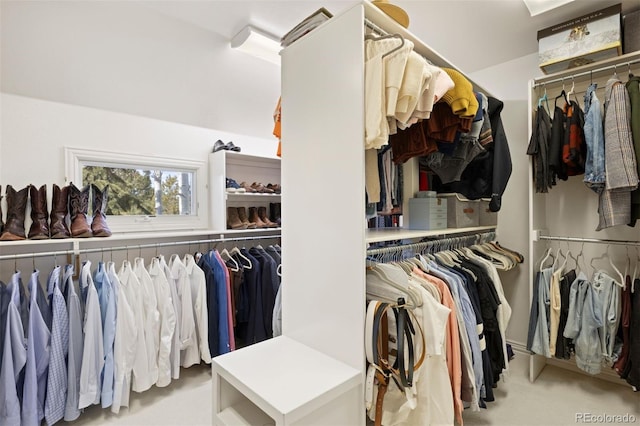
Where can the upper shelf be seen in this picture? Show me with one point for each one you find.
(390, 234)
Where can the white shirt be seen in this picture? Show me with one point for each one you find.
(167, 321)
(151, 317)
(177, 307)
(188, 340)
(93, 351)
(200, 311)
(124, 346)
(132, 288)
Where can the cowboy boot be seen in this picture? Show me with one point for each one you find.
(254, 217)
(16, 211)
(262, 213)
(99, 225)
(39, 229)
(59, 212)
(78, 208)
(242, 214)
(233, 219)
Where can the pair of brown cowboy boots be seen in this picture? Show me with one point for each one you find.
(237, 218)
(67, 202)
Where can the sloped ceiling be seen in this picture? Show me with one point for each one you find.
(473, 34)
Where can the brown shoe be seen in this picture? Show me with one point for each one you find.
(233, 219)
(39, 229)
(242, 214)
(78, 209)
(248, 188)
(262, 213)
(254, 217)
(261, 188)
(99, 226)
(275, 187)
(59, 212)
(16, 211)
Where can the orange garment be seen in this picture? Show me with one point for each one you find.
(454, 355)
(277, 119)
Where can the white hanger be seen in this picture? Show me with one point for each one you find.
(545, 257)
(226, 253)
(236, 250)
(605, 255)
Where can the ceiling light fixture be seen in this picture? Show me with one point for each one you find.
(257, 43)
(536, 7)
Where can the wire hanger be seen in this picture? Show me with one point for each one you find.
(384, 37)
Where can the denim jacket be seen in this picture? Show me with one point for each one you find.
(594, 176)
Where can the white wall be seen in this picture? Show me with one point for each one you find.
(120, 56)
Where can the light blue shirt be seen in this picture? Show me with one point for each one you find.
(594, 168)
(57, 380)
(107, 301)
(76, 345)
(35, 377)
(14, 357)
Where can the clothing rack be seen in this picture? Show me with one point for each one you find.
(128, 247)
(405, 251)
(589, 240)
(374, 27)
(590, 72)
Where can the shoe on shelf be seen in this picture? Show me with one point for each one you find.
(275, 211)
(242, 214)
(248, 188)
(261, 188)
(255, 218)
(218, 146)
(233, 219)
(233, 187)
(262, 214)
(229, 146)
(275, 187)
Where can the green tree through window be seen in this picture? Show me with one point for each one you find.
(141, 192)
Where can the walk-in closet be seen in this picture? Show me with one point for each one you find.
(354, 212)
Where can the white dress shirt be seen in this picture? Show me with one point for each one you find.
(167, 321)
(151, 317)
(188, 340)
(200, 311)
(130, 285)
(124, 346)
(93, 351)
(177, 307)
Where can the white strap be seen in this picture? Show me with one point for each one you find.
(368, 331)
(369, 387)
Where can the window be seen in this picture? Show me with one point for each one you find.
(145, 193)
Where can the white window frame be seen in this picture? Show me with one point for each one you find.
(76, 158)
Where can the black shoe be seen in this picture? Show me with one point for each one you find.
(218, 146)
(231, 147)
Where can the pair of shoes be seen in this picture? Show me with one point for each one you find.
(248, 188)
(275, 187)
(261, 188)
(67, 218)
(229, 146)
(233, 187)
(237, 218)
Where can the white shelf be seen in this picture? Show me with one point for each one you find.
(243, 196)
(284, 378)
(390, 234)
(244, 413)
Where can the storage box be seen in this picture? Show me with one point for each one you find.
(581, 41)
(427, 213)
(461, 212)
(487, 217)
(631, 25)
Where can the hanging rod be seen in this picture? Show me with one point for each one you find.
(589, 240)
(374, 27)
(422, 245)
(132, 247)
(580, 74)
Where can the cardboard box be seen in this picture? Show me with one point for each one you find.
(427, 213)
(631, 25)
(581, 41)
